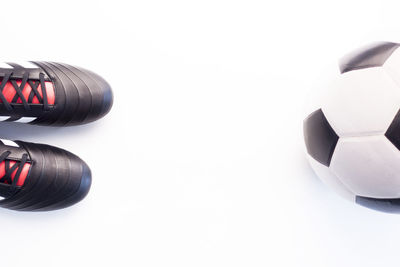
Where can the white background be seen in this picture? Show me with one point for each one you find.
(200, 162)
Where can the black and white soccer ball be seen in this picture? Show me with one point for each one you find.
(353, 139)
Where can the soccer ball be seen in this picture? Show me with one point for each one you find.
(353, 139)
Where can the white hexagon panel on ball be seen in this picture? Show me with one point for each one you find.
(369, 166)
(362, 102)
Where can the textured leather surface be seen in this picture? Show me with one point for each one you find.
(57, 179)
(81, 95)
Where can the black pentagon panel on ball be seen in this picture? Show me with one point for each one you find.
(374, 55)
(393, 132)
(390, 205)
(320, 138)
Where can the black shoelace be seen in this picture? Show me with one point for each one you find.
(7, 179)
(18, 89)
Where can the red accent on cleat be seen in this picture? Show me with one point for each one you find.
(9, 92)
(22, 176)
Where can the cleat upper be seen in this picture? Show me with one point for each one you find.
(54, 178)
(53, 94)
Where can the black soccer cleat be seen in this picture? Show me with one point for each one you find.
(72, 95)
(36, 177)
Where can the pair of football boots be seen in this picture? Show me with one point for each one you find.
(37, 177)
